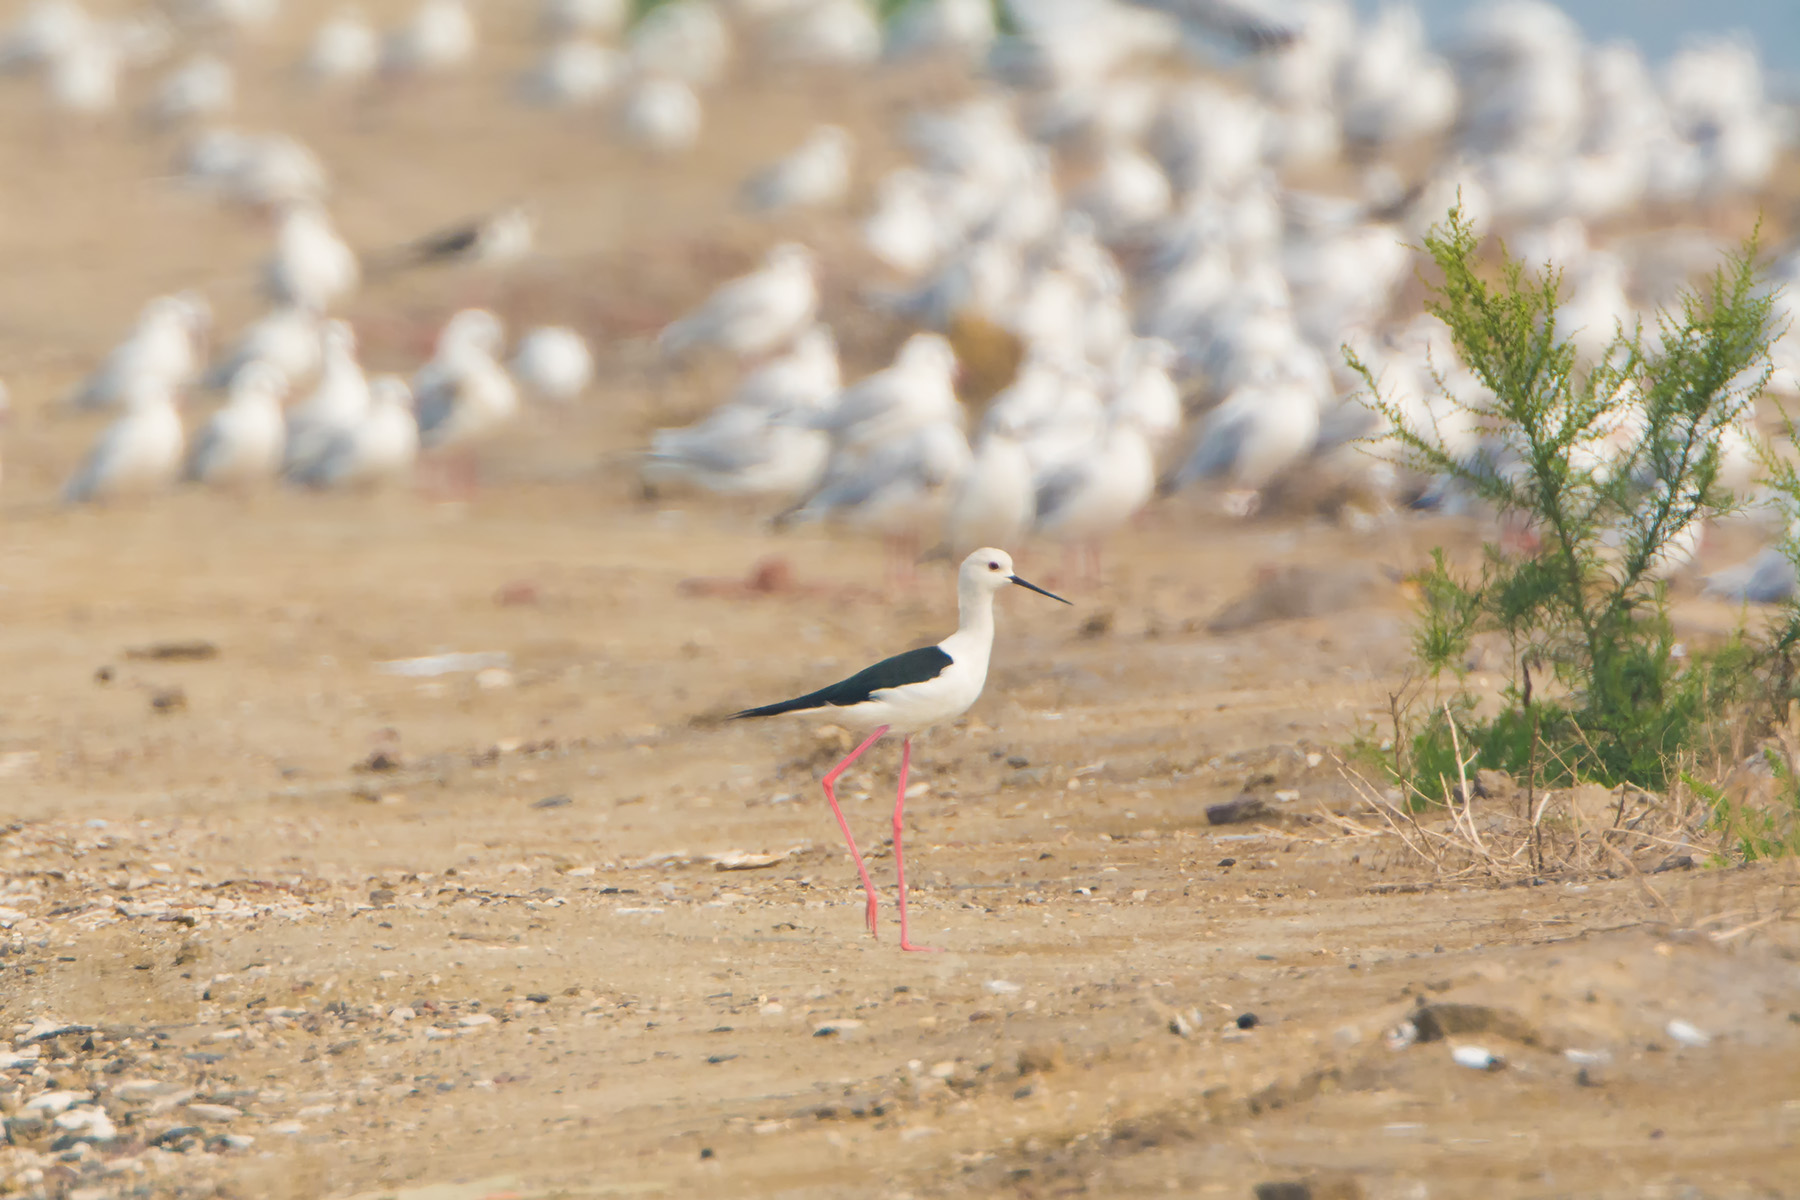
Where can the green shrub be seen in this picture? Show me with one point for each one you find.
(1612, 469)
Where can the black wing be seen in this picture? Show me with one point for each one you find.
(915, 666)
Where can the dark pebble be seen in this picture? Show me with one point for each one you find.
(716, 1059)
(1244, 808)
(539, 997)
(706, 1152)
(553, 802)
(1247, 1021)
(203, 1058)
(1228, 862)
(1018, 762)
(179, 1133)
(1265, 958)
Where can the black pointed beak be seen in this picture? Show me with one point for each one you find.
(1025, 583)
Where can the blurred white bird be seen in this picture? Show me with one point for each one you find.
(379, 448)
(996, 501)
(161, 352)
(572, 18)
(900, 489)
(464, 394)
(927, 27)
(553, 364)
(1144, 393)
(286, 337)
(138, 454)
(740, 450)
(801, 381)
(686, 40)
(815, 175)
(1127, 193)
(753, 314)
(1265, 426)
(258, 171)
(661, 114)
(918, 389)
(311, 266)
(904, 230)
(201, 87)
(337, 404)
(572, 72)
(1091, 497)
(439, 36)
(242, 443)
(345, 48)
(834, 33)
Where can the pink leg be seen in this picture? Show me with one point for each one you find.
(831, 777)
(899, 855)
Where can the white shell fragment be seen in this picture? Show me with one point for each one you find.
(1476, 1058)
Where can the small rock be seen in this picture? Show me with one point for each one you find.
(379, 761)
(1018, 762)
(557, 801)
(1476, 1058)
(1248, 1020)
(1686, 1034)
(87, 1124)
(189, 651)
(1244, 808)
(493, 679)
(475, 1019)
(1040, 1060)
(176, 1135)
(44, 1029)
(381, 897)
(1002, 987)
(213, 1112)
(831, 1028)
(168, 700)
(50, 1104)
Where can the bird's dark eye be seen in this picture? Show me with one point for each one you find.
(993, 566)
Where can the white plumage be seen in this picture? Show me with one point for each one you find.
(311, 266)
(337, 404)
(815, 175)
(160, 353)
(138, 454)
(661, 114)
(242, 443)
(379, 448)
(346, 47)
(464, 394)
(553, 364)
(755, 313)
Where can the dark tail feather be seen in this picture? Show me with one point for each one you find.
(797, 704)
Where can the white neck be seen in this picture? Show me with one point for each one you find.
(975, 611)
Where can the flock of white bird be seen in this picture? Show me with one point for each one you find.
(1131, 225)
(1116, 192)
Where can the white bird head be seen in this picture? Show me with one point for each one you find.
(472, 328)
(340, 338)
(390, 391)
(988, 570)
(928, 352)
(257, 381)
(790, 255)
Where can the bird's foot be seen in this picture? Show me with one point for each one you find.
(906, 945)
(873, 923)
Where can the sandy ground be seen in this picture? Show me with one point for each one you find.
(306, 928)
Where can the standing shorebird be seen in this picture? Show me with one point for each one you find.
(911, 692)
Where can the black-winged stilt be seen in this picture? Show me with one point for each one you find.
(911, 692)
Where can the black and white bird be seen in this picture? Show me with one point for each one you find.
(912, 692)
(497, 239)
